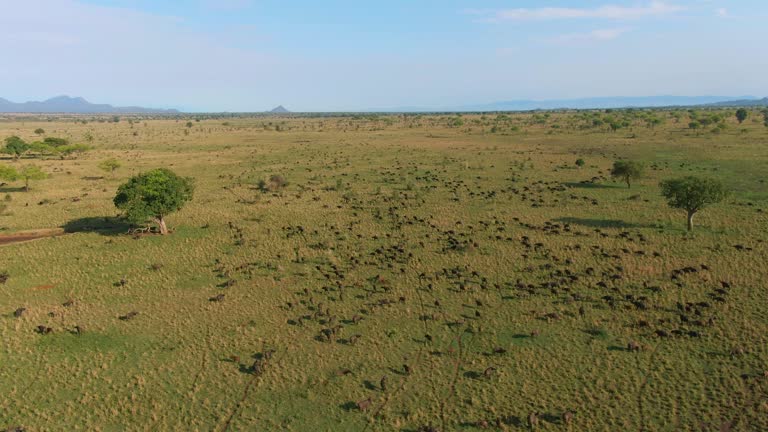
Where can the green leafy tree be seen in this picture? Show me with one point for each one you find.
(31, 172)
(627, 171)
(692, 194)
(110, 165)
(694, 125)
(16, 146)
(39, 131)
(72, 150)
(151, 196)
(741, 115)
(56, 142)
(580, 163)
(8, 173)
(41, 148)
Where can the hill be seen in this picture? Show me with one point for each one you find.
(582, 103)
(75, 105)
(279, 110)
(742, 103)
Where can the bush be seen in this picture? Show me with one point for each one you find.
(277, 182)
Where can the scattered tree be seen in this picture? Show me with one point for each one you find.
(741, 115)
(72, 150)
(15, 146)
(8, 173)
(627, 171)
(580, 163)
(39, 131)
(56, 142)
(152, 195)
(692, 194)
(31, 172)
(110, 165)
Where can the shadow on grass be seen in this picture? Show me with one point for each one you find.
(349, 406)
(103, 225)
(590, 185)
(7, 189)
(602, 223)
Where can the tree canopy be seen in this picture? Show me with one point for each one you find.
(110, 165)
(8, 173)
(692, 194)
(31, 172)
(627, 171)
(15, 146)
(150, 196)
(741, 114)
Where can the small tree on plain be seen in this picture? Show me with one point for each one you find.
(741, 115)
(31, 172)
(692, 194)
(39, 131)
(16, 146)
(110, 165)
(580, 163)
(8, 173)
(627, 171)
(151, 196)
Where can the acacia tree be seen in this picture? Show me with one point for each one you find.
(8, 173)
(110, 165)
(692, 194)
(741, 115)
(627, 171)
(16, 146)
(31, 172)
(150, 196)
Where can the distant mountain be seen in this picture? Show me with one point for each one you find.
(74, 105)
(585, 103)
(279, 110)
(742, 103)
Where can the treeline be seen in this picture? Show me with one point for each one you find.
(49, 146)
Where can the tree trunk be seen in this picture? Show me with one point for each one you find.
(26, 185)
(161, 224)
(690, 220)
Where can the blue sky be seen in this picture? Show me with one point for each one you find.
(251, 55)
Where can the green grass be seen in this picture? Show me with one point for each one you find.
(405, 207)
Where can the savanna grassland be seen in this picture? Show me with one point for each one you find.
(417, 271)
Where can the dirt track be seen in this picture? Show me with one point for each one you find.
(23, 236)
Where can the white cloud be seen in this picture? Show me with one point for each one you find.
(611, 12)
(594, 35)
(722, 12)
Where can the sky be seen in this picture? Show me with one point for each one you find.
(337, 55)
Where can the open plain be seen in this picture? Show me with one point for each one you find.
(389, 272)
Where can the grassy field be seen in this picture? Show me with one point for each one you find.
(459, 272)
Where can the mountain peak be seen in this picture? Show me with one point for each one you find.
(75, 105)
(67, 99)
(279, 110)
